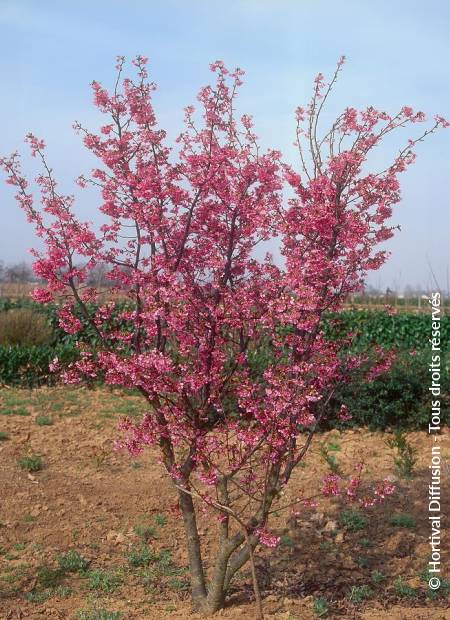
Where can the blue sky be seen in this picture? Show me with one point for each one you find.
(397, 54)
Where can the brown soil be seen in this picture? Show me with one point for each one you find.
(90, 498)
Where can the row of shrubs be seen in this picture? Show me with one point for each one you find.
(369, 327)
(30, 338)
(399, 398)
(374, 327)
(28, 365)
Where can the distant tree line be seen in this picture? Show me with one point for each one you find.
(22, 273)
(16, 273)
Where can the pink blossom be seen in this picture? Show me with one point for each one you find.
(266, 538)
(224, 344)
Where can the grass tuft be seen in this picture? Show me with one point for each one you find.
(30, 463)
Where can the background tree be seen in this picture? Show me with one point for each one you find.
(17, 272)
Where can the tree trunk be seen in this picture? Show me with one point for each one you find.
(231, 557)
(217, 589)
(197, 576)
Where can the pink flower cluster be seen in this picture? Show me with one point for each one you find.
(226, 346)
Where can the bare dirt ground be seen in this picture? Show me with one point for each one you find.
(118, 516)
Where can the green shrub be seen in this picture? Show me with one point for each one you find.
(397, 399)
(403, 330)
(28, 366)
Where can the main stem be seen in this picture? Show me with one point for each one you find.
(198, 585)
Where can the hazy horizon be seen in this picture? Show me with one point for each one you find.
(395, 56)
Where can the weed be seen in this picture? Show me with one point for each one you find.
(43, 420)
(333, 446)
(402, 520)
(145, 532)
(363, 562)
(365, 543)
(324, 451)
(98, 614)
(406, 455)
(320, 607)
(358, 594)
(160, 520)
(128, 408)
(377, 577)
(72, 562)
(38, 597)
(29, 518)
(106, 581)
(179, 584)
(100, 457)
(62, 592)
(49, 577)
(403, 589)
(139, 556)
(352, 520)
(164, 566)
(14, 411)
(30, 463)
(286, 541)
(19, 546)
(444, 588)
(3, 436)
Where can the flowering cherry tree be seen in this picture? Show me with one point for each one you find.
(226, 347)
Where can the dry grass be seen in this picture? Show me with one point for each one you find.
(25, 327)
